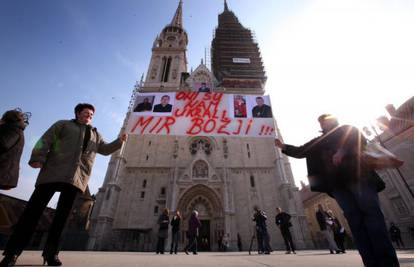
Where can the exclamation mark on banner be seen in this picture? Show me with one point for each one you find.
(261, 131)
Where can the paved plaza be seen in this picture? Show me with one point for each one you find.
(309, 258)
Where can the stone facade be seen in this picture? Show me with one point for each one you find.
(396, 200)
(222, 178)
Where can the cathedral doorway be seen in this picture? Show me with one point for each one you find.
(203, 240)
(210, 209)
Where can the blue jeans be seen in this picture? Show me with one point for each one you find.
(361, 208)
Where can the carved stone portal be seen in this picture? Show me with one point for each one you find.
(200, 169)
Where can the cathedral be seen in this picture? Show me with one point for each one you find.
(221, 177)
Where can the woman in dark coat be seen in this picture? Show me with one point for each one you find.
(193, 226)
(175, 233)
(12, 125)
(163, 221)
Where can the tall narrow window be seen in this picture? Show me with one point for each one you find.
(156, 210)
(252, 183)
(163, 66)
(162, 191)
(248, 150)
(167, 70)
(144, 183)
(147, 157)
(142, 194)
(149, 143)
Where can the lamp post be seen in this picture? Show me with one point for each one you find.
(377, 136)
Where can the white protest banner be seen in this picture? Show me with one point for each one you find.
(196, 113)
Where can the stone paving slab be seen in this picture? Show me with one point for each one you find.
(309, 258)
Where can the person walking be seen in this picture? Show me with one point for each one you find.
(325, 225)
(193, 228)
(335, 167)
(65, 154)
(12, 125)
(263, 240)
(239, 242)
(282, 220)
(395, 234)
(175, 231)
(338, 230)
(163, 222)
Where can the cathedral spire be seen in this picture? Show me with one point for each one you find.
(178, 17)
(226, 8)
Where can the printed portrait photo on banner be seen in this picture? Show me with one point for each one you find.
(165, 104)
(239, 105)
(260, 106)
(144, 103)
(204, 88)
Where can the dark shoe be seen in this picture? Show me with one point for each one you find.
(8, 260)
(267, 252)
(287, 252)
(338, 251)
(195, 253)
(52, 260)
(186, 252)
(331, 251)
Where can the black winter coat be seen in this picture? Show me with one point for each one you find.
(11, 148)
(323, 175)
(283, 220)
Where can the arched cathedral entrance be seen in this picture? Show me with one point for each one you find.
(210, 209)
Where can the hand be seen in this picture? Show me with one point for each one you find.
(36, 165)
(123, 137)
(279, 144)
(337, 158)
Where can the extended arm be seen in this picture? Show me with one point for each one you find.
(107, 149)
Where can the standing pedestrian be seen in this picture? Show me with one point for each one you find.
(395, 234)
(282, 220)
(163, 222)
(175, 231)
(194, 225)
(239, 242)
(263, 240)
(65, 155)
(325, 225)
(226, 242)
(335, 167)
(338, 230)
(12, 125)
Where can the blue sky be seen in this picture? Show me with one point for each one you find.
(344, 57)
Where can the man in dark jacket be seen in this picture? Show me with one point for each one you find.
(334, 166)
(65, 155)
(261, 110)
(263, 240)
(12, 125)
(163, 222)
(164, 106)
(395, 234)
(194, 225)
(282, 220)
(146, 105)
(175, 231)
